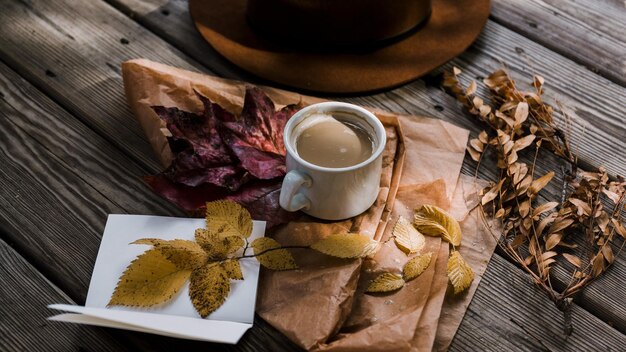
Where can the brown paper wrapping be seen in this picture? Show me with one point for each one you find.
(321, 306)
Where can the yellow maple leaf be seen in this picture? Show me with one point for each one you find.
(385, 282)
(416, 266)
(226, 218)
(218, 247)
(459, 272)
(434, 221)
(208, 288)
(233, 269)
(149, 280)
(184, 254)
(407, 238)
(270, 255)
(347, 245)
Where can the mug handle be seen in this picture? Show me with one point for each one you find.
(290, 199)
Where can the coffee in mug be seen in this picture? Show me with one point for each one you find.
(331, 140)
(334, 160)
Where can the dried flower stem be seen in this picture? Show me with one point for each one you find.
(534, 234)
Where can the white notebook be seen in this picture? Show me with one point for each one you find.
(178, 317)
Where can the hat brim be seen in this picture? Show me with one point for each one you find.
(451, 28)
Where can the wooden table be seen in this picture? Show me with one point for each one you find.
(71, 153)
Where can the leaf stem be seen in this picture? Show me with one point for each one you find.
(269, 250)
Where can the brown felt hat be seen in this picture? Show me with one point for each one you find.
(339, 46)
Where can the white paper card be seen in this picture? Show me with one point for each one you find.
(177, 318)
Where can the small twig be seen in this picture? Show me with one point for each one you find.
(529, 333)
(269, 250)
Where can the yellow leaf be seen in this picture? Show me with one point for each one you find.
(270, 256)
(184, 254)
(347, 245)
(208, 288)
(416, 266)
(149, 280)
(540, 183)
(434, 221)
(459, 272)
(386, 282)
(407, 238)
(218, 247)
(226, 218)
(233, 269)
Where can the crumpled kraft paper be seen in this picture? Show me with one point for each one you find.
(321, 305)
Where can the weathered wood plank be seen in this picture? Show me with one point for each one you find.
(600, 115)
(504, 294)
(73, 53)
(58, 182)
(590, 32)
(25, 293)
(51, 161)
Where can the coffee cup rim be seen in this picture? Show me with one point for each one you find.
(326, 107)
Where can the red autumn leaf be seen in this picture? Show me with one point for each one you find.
(200, 155)
(256, 136)
(259, 197)
(218, 155)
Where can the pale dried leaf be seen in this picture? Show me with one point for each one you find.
(521, 113)
(560, 225)
(208, 288)
(434, 221)
(581, 206)
(471, 89)
(460, 273)
(523, 142)
(493, 192)
(553, 240)
(149, 280)
(483, 137)
(270, 254)
(477, 144)
(607, 252)
(544, 208)
(407, 238)
(227, 218)
(619, 228)
(545, 222)
(347, 245)
(573, 259)
(597, 265)
(524, 208)
(416, 266)
(386, 282)
(612, 195)
(473, 153)
(538, 184)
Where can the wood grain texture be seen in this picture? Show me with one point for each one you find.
(506, 293)
(596, 104)
(73, 53)
(64, 49)
(59, 180)
(24, 295)
(590, 32)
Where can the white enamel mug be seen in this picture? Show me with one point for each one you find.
(332, 193)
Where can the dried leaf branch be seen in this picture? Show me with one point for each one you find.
(575, 234)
